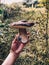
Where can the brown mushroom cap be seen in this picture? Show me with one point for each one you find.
(21, 24)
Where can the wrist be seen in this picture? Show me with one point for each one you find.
(15, 54)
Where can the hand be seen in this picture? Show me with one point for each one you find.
(17, 46)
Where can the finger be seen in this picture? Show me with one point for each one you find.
(15, 39)
(28, 34)
(20, 48)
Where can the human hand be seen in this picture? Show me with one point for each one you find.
(17, 46)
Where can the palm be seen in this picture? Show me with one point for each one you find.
(15, 44)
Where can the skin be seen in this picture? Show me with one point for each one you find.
(15, 50)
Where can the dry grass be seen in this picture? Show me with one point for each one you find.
(34, 9)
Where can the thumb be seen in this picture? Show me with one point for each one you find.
(28, 34)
